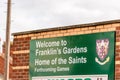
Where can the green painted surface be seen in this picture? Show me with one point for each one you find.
(72, 55)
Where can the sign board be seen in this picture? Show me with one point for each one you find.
(84, 57)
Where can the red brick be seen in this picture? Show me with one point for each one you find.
(23, 43)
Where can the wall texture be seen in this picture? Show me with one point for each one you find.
(2, 61)
(2, 67)
(21, 44)
(1, 64)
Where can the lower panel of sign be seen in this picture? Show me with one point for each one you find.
(73, 77)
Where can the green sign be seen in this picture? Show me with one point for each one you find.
(89, 54)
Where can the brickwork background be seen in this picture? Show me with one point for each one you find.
(21, 45)
(1, 65)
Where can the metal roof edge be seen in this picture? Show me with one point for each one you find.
(67, 27)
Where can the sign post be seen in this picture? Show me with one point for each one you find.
(7, 46)
(78, 57)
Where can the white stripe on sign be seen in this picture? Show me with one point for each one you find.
(73, 77)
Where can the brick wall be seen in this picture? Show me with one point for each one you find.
(21, 44)
(21, 58)
(117, 57)
(2, 60)
(1, 64)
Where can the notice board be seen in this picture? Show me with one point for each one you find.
(76, 57)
